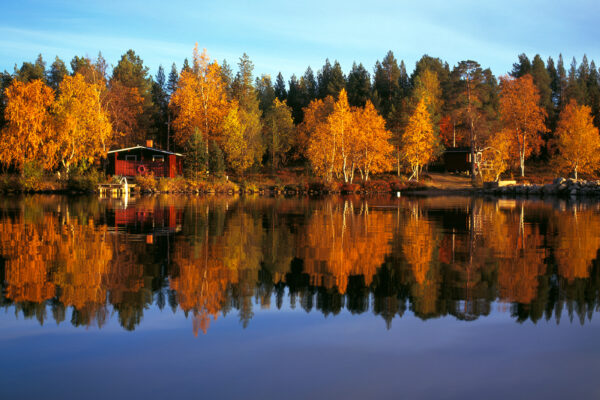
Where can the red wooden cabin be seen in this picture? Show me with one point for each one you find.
(142, 160)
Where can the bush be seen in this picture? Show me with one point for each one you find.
(86, 182)
(249, 187)
(9, 183)
(32, 177)
(377, 186)
(146, 183)
(225, 187)
(325, 187)
(349, 187)
(172, 185)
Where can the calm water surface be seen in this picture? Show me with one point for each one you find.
(204, 297)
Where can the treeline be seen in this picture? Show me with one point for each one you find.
(341, 125)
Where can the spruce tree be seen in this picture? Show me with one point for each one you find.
(387, 83)
(310, 86)
(543, 82)
(522, 67)
(58, 70)
(358, 86)
(280, 90)
(323, 78)
(172, 81)
(195, 156)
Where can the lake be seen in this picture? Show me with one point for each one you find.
(295, 298)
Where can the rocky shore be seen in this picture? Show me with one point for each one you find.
(559, 187)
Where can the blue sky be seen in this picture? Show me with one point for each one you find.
(289, 36)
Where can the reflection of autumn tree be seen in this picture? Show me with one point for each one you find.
(418, 244)
(518, 245)
(207, 268)
(70, 263)
(577, 241)
(341, 240)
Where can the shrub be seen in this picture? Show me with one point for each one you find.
(377, 186)
(146, 183)
(9, 183)
(349, 187)
(32, 176)
(86, 182)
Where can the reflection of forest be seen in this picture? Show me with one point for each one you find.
(209, 256)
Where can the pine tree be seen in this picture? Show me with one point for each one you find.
(387, 83)
(266, 92)
(358, 86)
(131, 73)
(522, 67)
(160, 98)
(32, 71)
(280, 90)
(195, 155)
(310, 86)
(561, 83)
(173, 79)
(227, 77)
(278, 130)
(295, 99)
(593, 86)
(337, 81)
(58, 70)
(323, 78)
(543, 82)
(574, 91)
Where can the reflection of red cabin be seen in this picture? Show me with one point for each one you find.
(142, 160)
(148, 220)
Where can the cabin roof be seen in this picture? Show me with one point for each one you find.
(144, 148)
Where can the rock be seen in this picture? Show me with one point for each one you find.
(549, 188)
(558, 181)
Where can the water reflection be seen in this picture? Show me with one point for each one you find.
(208, 256)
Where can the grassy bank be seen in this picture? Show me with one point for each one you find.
(285, 182)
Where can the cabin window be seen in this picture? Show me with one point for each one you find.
(158, 158)
(130, 157)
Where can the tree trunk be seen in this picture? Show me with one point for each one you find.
(398, 160)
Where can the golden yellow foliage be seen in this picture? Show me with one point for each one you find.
(82, 127)
(28, 134)
(577, 140)
(419, 142)
(374, 151)
(200, 101)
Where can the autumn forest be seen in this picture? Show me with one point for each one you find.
(343, 126)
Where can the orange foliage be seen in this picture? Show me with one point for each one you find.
(341, 241)
(314, 115)
(522, 116)
(124, 106)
